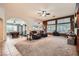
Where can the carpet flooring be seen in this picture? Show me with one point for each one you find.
(48, 46)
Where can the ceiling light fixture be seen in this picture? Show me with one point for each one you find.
(43, 13)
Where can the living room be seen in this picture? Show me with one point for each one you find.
(39, 29)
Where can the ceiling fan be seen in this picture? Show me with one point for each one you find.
(43, 13)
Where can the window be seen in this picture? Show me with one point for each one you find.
(15, 24)
(51, 22)
(63, 25)
(11, 28)
(51, 26)
(65, 20)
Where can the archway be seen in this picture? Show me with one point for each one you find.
(16, 27)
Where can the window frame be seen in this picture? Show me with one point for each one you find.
(50, 26)
(56, 22)
(63, 24)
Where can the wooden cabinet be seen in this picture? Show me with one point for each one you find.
(78, 29)
(1, 29)
(78, 40)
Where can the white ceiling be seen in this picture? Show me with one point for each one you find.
(29, 10)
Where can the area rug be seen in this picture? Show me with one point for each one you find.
(49, 46)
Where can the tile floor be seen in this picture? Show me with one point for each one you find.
(8, 48)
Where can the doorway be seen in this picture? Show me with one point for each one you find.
(1, 29)
(16, 27)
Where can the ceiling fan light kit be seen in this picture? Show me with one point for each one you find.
(43, 13)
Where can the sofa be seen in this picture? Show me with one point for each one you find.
(37, 34)
(43, 34)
